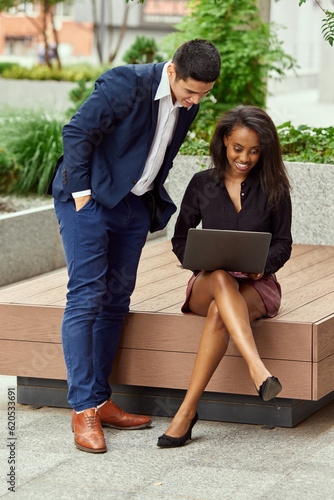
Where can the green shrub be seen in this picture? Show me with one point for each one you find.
(143, 50)
(78, 95)
(9, 172)
(194, 146)
(72, 73)
(303, 144)
(307, 144)
(34, 140)
(4, 66)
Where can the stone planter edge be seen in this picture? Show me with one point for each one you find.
(311, 194)
(30, 244)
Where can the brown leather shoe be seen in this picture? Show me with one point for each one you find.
(88, 433)
(111, 415)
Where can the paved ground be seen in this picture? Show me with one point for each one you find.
(223, 461)
(49, 96)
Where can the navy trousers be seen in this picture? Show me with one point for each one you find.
(102, 249)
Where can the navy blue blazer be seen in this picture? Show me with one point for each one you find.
(106, 143)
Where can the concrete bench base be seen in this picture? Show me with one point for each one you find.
(161, 402)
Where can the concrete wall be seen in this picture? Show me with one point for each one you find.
(30, 244)
(48, 95)
(312, 197)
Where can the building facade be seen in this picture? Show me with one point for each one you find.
(21, 32)
(80, 23)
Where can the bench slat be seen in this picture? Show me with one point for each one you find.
(306, 294)
(20, 292)
(306, 260)
(316, 272)
(148, 368)
(323, 339)
(313, 311)
(32, 359)
(182, 333)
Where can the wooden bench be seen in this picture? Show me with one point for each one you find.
(159, 344)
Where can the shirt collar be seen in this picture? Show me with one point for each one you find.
(164, 89)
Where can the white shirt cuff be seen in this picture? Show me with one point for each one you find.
(87, 192)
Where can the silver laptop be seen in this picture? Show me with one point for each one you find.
(211, 249)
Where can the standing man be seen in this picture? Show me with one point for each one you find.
(108, 190)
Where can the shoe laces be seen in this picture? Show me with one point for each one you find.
(91, 420)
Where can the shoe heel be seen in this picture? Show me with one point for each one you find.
(193, 422)
(166, 441)
(270, 388)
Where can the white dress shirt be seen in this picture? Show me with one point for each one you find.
(166, 124)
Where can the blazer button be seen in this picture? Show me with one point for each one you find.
(134, 181)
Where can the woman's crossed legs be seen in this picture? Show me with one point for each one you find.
(229, 306)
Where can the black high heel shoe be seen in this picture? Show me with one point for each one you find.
(270, 388)
(166, 441)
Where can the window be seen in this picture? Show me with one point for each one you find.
(65, 9)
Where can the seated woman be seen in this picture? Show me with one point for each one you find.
(248, 190)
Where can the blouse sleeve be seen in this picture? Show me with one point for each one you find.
(280, 247)
(189, 216)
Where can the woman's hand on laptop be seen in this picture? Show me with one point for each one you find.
(253, 276)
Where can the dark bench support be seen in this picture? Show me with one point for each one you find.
(165, 402)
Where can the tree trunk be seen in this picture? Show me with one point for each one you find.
(121, 34)
(55, 34)
(96, 31)
(45, 36)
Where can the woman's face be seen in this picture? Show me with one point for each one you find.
(243, 150)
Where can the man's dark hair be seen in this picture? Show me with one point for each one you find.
(197, 59)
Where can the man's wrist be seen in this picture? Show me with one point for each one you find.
(81, 201)
(79, 194)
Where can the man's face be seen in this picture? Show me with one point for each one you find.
(186, 92)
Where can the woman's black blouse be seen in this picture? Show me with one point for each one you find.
(206, 199)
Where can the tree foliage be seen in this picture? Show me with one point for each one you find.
(250, 51)
(7, 4)
(143, 50)
(327, 23)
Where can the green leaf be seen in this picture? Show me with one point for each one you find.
(328, 28)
